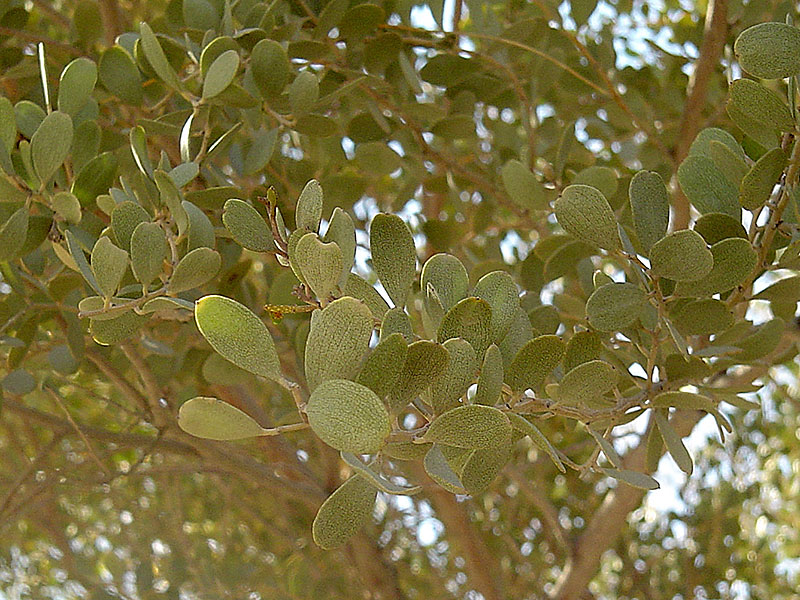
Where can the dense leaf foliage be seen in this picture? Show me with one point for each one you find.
(412, 253)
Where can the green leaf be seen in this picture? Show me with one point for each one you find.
(148, 251)
(28, 116)
(582, 347)
(348, 416)
(438, 469)
(474, 426)
(309, 207)
(95, 178)
(406, 450)
(447, 276)
(444, 393)
(108, 265)
(707, 187)
(8, 124)
(156, 57)
(67, 207)
(200, 231)
(769, 50)
(615, 306)
(674, 443)
(490, 381)
(220, 74)
(361, 20)
(650, 207)
(500, 291)
(119, 74)
(715, 227)
(18, 382)
(303, 92)
(734, 260)
(238, 335)
(261, 150)
(522, 186)
(425, 362)
(681, 256)
(384, 365)
(397, 321)
(247, 226)
(196, 268)
(50, 144)
(683, 400)
(342, 231)
(213, 50)
(534, 362)
(585, 384)
(80, 261)
(337, 341)
(483, 466)
(213, 419)
(702, 144)
(394, 257)
(760, 105)
(344, 513)
(469, 319)
(377, 480)
(320, 264)
(125, 217)
(604, 179)
(358, 288)
(757, 185)
(12, 234)
(138, 141)
(607, 448)
(270, 67)
(200, 14)
(76, 85)
(108, 332)
(584, 212)
(703, 317)
(524, 426)
(633, 478)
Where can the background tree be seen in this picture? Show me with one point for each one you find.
(466, 270)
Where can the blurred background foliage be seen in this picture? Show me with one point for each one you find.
(448, 93)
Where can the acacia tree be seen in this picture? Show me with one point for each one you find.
(478, 265)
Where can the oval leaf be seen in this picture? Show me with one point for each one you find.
(650, 207)
(769, 50)
(348, 416)
(394, 257)
(474, 426)
(50, 144)
(213, 419)
(238, 335)
(344, 513)
(615, 306)
(246, 226)
(584, 212)
(196, 268)
(337, 340)
(534, 362)
(148, 251)
(681, 256)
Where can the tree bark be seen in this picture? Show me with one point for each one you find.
(609, 520)
(714, 36)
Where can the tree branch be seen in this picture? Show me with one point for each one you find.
(716, 31)
(483, 569)
(609, 520)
